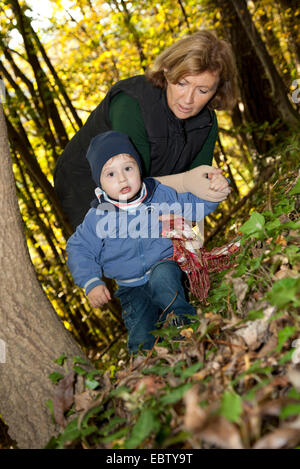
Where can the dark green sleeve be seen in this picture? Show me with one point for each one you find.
(205, 156)
(125, 116)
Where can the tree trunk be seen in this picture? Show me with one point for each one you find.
(292, 22)
(279, 92)
(25, 151)
(56, 77)
(255, 91)
(49, 105)
(31, 333)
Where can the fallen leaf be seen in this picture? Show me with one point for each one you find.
(268, 347)
(187, 333)
(107, 382)
(151, 383)
(84, 399)
(274, 406)
(63, 398)
(222, 433)
(255, 333)
(293, 375)
(240, 288)
(284, 272)
(194, 416)
(285, 437)
(161, 350)
(280, 240)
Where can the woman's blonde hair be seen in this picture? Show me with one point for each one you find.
(195, 54)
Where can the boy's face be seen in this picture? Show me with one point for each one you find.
(120, 177)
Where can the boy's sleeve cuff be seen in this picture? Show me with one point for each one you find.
(92, 283)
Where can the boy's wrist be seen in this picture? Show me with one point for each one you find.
(92, 283)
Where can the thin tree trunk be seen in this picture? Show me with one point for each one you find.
(29, 327)
(131, 28)
(292, 22)
(279, 93)
(184, 14)
(49, 106)
(36, 173)
(56, 77)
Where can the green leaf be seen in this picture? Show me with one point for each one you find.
(79, 370)
(284, 291)
(175, 395)
(115, 436)
(55, 377)
(109, 426)
(253, 227)
(273, 225)
(158, 369)
(95, 410)
(78, 359)
(286, 357)
(119, 391)
(296, 188)
(188, 372)
(284, 335)
(290, 409)
(70, 433)
(60, 360)
(49, 404)
(231, 406)
(294, 394)
(52, 443)
(293, 254)
(145, 425)
(254, 314)
(252, 392)
(254, 368)
(292, 225)
(91, 383)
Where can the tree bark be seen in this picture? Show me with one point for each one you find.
(279, 92)
(255, 91)
(56, 77)
(31, 331)
(49, 106)
(27, 155)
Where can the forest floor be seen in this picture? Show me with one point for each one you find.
(234, 381)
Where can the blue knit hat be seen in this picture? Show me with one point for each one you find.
(106, 145)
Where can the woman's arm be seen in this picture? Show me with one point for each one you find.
(196, 182)
(125, 116)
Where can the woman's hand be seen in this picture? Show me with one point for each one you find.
(218, 182)
(98, 296)
(196, 182)
(215, 188)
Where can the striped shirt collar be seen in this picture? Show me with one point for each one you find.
(123, 205)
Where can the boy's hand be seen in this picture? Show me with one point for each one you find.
(98, 296)
(218, 182)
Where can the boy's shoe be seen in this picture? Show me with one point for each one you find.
(179, 322)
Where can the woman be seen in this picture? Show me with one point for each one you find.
(168, 114)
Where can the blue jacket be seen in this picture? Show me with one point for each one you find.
(125, 245)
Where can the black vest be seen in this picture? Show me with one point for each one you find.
(174, 143)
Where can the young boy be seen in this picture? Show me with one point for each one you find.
(121, 238)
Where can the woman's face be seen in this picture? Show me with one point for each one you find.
(192, 92)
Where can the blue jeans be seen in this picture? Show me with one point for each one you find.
(143, 305)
